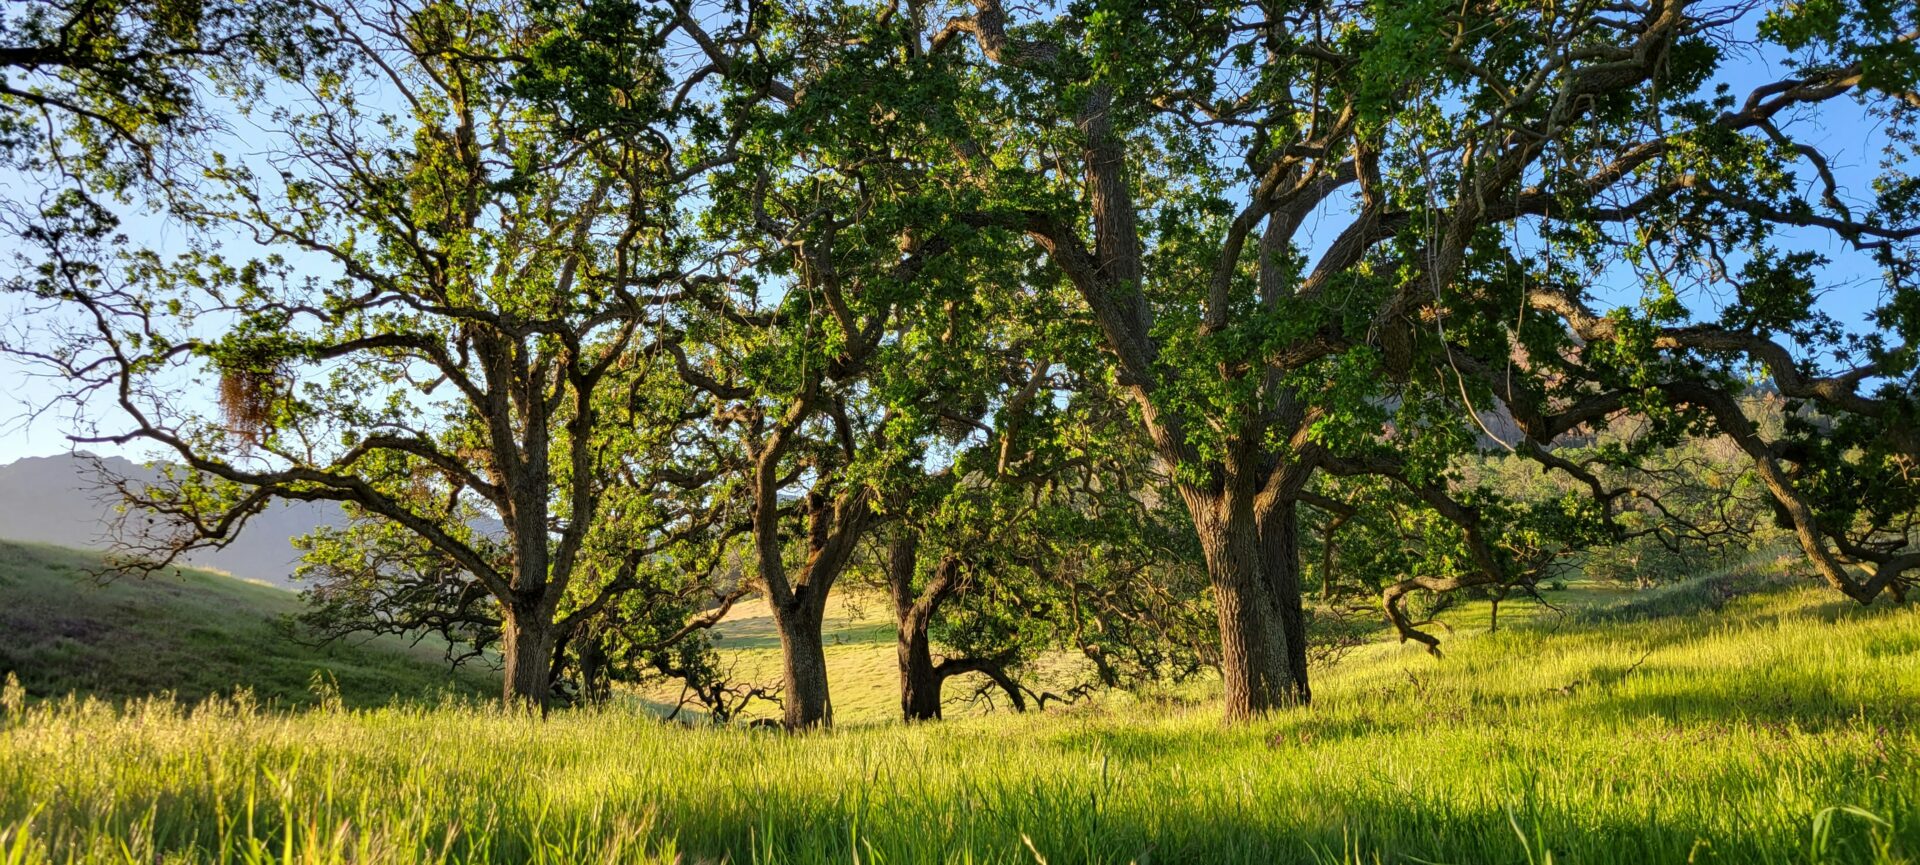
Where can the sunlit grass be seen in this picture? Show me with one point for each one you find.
(862, 661)
(1778, 729)
(190, 632)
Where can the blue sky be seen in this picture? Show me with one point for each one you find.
(26, 390)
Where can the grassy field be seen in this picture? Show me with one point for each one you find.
(195, 634)
(859, 639)
(1693, 724)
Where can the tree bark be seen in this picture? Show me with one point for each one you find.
(919, 684)
(595, 686)
(1256, 664)
(806, 701)
(527, 640)
(1279, 530)
(1329, 554)
(920, 680)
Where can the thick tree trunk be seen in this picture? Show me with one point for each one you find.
(527, 641)
(1280, 559)
(806, 701)
(919, 682)
(834, 527)
(1255, 653)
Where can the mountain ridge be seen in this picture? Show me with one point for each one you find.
(61, 500)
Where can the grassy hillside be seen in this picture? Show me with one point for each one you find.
(1765, 727)
(861, 665)
(195, 634)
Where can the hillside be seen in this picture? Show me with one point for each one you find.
(863, 669)
(61, 500)
(862, 662)
(1710, 722)
(194, 634)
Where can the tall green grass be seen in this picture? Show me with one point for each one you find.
(1775, 729)
(193, 633)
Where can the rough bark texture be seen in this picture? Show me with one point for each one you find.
(919, 685)
(920, 680)
(1256, 586)
(1279, 530)
(1253, 646)
(807, 702)
(527, 640)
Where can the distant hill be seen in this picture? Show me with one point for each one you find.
(193, 633)
(59, 500)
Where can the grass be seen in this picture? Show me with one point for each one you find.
(1711, 726)
(194, 633)
(861, 663)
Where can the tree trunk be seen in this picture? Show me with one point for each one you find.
(920, 680)
(595, 686)
(806, 702)
(1329, 551)
(1280, 559)
(527, 640)
(919, 683)
(1256, 663)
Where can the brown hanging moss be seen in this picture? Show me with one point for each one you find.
(246, 400)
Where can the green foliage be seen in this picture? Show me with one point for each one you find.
(443, 323)
(105, 93)
(605, 287)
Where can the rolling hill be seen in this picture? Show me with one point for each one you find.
(193, 634)
(61, 500)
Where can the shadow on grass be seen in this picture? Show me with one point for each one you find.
(1807, 707)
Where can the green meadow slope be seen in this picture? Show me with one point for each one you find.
(195, 634)
(1714, 721)
(861, 664)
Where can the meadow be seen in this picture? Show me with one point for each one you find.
(191, 634)
(1700, 723)
(1103, 334)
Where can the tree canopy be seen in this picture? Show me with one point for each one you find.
(574, 307)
